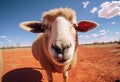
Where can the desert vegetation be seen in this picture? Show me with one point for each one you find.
(94, 43)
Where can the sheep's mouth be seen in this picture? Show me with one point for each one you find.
(60, 58)
(62, 61)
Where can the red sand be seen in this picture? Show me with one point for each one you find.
(95, 64)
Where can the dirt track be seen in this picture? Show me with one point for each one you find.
(95, 64)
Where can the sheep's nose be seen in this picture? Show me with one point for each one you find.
(60, 49)
(57, 49)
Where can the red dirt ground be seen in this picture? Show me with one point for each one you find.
(96, 63)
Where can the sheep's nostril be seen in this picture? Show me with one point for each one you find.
(67, 46)
(61, 49)
(57, 49)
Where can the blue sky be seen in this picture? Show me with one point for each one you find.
(105, 12)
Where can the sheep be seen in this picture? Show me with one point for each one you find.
(57, 44)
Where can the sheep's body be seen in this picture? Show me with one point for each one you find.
(56, 47)
(39, 52)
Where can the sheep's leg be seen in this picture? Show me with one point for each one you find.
(49, 76)
(65, 76)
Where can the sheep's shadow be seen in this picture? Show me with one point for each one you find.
(23, 75)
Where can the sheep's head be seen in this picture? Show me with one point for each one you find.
(60, 28)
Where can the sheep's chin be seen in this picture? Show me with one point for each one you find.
(61, 62)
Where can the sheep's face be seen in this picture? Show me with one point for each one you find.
(60, 35)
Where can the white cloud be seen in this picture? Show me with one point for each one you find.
(108, 38)
(85, 4)
(101, 36)
(94, 35)
(117, 33)
(113, 22)
(1, 42)
(17, 38)
(10, 41)
(94, 9)
(109, 10)
(3, 36)
(83, 36)
(103, 32)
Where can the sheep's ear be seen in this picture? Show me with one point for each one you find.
(84, 26)
(32, 26)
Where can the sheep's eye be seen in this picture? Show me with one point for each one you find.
(74, 25)
(44, 27)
